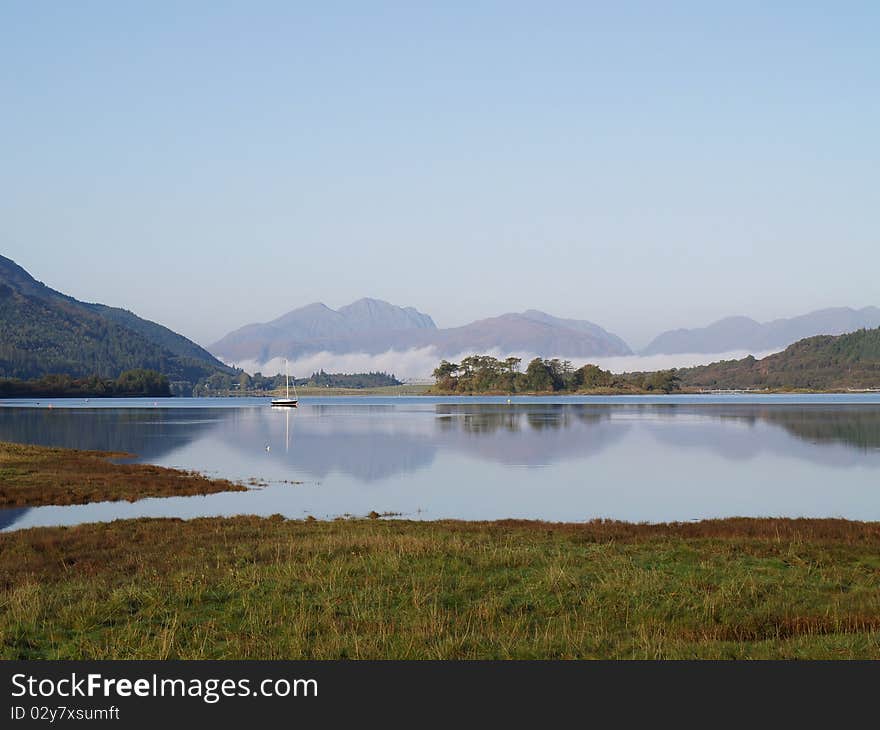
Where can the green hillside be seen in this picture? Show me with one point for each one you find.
(824, 362)
(43, 332)
(156, 333)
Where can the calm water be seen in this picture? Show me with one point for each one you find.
(633, 458)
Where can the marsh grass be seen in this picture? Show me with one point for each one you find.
(40, 475)
(248, 587)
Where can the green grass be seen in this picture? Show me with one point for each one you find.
(273, 589)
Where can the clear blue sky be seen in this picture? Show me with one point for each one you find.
(642, 165)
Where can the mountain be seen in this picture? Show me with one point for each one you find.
(318, 321)
(43, 331)
(372, 326)
(743, 333)
(824, 362)
(531, 331)
(316, 327)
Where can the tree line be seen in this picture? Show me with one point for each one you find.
(321, 379)
(487, 374)
(241, 382)
(130, 383)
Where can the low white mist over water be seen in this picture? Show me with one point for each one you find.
(419, 363)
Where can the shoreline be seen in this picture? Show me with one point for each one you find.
(369, 393)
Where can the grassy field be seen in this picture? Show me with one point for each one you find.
(268, 588)
(39, 475)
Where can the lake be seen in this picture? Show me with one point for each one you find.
(635, 458)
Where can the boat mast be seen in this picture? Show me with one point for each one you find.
(287, 379)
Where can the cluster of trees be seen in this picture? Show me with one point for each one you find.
(220, 383)
(130, 383)
(321, 379)
(826, 362)
(487, 374)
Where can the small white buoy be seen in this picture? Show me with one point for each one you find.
(268, 448)
(508, 401)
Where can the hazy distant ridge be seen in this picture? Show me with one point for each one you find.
(372, 326)
(743, 333)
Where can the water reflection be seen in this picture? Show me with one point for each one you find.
(368, 444)
(9, 517)
(816, 434)
(374, 441)
(534, 436)
(151, 434)
(488, 418)
(484, 460)
(857, 427)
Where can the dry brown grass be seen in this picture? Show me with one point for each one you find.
(764, 528)
(39, 475)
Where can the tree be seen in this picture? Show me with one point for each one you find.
(446, 375)
(539, 376)
(663, 380)
(592, 376)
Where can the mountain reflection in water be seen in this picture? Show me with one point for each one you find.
(446, 454)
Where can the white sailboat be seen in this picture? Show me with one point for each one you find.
(286, 402)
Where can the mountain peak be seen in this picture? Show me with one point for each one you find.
(735, 319)
(378, 314)
(366, 301)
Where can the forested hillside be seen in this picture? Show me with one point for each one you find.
(44, 332)
(825, 362)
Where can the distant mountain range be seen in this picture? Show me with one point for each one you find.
(43, 331)
(743, 333)
(372, 326)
